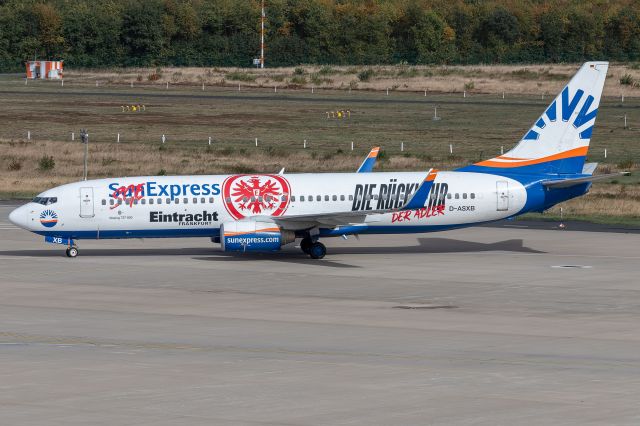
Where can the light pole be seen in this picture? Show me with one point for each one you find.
(262, 36)
(84, 137)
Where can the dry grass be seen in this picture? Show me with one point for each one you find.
(520, 79)
(110, 159)
(604, 200)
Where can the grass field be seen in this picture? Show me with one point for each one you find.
(476, 126)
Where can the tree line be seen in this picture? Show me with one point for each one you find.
(89, 33)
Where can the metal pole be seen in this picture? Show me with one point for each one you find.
(84, 137)
(262, 37)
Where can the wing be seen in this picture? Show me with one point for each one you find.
(332, 219)
(369, 162)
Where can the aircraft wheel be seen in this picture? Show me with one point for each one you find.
(317, 251)
(72, 252)
(305, 245)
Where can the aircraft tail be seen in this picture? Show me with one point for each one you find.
(558, 141)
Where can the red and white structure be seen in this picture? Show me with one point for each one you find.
(44, 70)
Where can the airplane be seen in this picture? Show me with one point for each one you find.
(264, 212)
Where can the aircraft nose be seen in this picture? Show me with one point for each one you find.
(19, 217)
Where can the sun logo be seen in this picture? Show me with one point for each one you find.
(48, 218)
(247, 195)
(564, 108)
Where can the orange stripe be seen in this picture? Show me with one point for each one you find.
(374, 153)
(431, 176)
(233, 234)
(576, 152)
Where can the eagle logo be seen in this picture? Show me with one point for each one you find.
(48, 218)
(249, 195)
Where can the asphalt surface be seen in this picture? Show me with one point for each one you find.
(484, 326)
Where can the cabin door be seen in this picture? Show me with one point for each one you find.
(502, 192)
(86, 202)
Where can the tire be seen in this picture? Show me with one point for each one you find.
(317, 251)
(72, 252)
(305, 245)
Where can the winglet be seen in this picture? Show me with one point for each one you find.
(369, 162)
(420, 197)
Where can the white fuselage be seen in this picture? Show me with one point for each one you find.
(184, 206)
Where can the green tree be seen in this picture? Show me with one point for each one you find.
(141, 33)
(434, 40)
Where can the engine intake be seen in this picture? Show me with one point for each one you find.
(253, 236)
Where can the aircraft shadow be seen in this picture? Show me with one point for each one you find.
(440, 245)
(294, 255)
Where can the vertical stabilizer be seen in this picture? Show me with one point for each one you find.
(558, 141)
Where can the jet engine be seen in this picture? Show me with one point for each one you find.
(253, 236)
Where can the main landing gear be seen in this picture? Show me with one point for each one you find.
(316, 250)
(72, 251)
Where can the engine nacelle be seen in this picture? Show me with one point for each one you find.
(253, 236)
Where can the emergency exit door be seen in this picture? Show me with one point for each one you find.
(86, 202)
(502, 192)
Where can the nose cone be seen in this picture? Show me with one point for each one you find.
(19, 217)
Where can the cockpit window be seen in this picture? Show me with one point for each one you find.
(45, 201)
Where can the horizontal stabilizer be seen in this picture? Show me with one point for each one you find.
(589, 168)
(566, 183)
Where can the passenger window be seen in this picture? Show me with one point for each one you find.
(135, 202)
(342, 198)
(318, 197)
(111, 202)
(228, 199)
(464, 195)
(143, 201)
(473, 196)
(159, 201)
(211, 200)
(203, 200)
(293, 198)
(168, 201)
(195, 200)
(457, 196)
(186, 201)
(104, 202)
(150, 200)
(310, 198)
(334, 198)
(326, 198)
(449, 196)
(177, 200)
(350, 197)
(301, 198)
